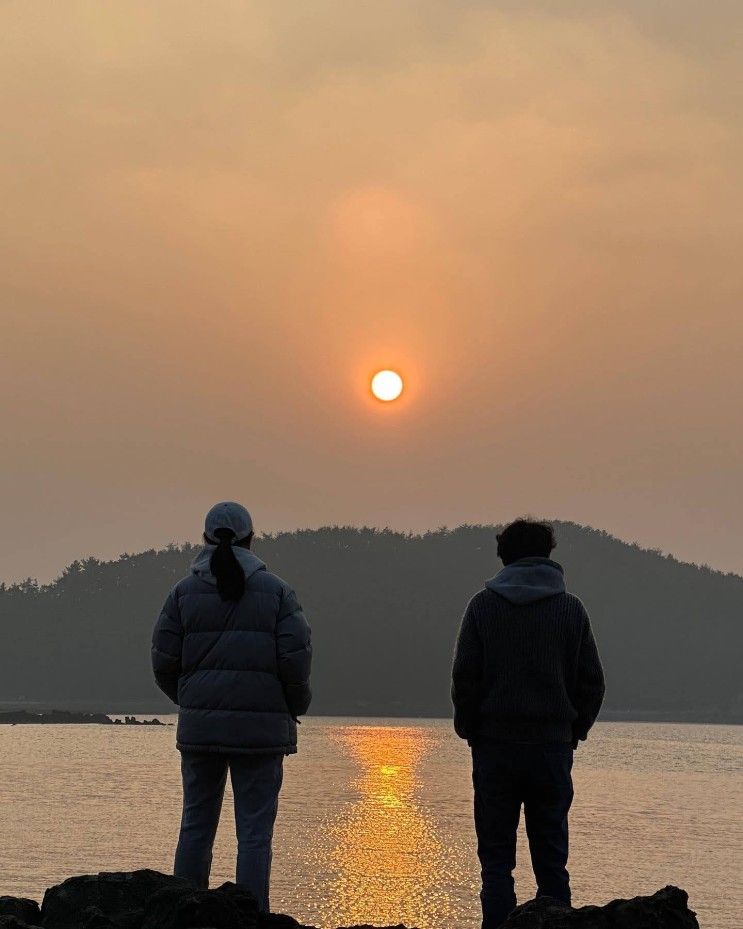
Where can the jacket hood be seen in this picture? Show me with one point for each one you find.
(528, 580)
(249, 562)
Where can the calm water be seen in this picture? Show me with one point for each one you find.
(375, 820)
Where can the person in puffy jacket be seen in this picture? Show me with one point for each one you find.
(232, 648)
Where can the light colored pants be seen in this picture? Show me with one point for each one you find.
(256, 782)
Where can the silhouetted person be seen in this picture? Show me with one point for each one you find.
(232, 649)
(527, 684)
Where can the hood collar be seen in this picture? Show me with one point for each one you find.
(249, 562)
(528, 580)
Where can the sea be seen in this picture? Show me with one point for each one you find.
(375, 819)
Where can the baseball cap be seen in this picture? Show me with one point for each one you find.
(228, 515)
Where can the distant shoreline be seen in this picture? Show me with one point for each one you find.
(23, 713)
(67, 718)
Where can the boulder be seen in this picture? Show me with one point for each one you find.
(665, 909)
(150, 900)
(244, 901)
(27, 911)
(189, 908)
(119, 897)
(12, 922)
(278, 921)
(94, 918)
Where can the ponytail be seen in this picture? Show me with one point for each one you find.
(226, 568)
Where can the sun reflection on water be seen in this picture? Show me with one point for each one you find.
(388, 862)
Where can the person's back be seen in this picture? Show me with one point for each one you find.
(232, 649)
(527, 685)
(237, 692)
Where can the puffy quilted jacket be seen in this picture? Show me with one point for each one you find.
(239, 671)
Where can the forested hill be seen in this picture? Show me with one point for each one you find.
(385, 608)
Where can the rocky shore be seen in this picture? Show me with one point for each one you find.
(150, 900)
(25, 718)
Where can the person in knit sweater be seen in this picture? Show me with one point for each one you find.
(527, 685)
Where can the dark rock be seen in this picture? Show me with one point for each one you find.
(666, 909)
(95, 918)
(27, 911)
(278, 921)
(121, 897)
(242, 899)
(12, 922)
(544, 912)
(179, 908)
(150, 900)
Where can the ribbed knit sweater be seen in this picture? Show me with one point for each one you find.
(526, 666)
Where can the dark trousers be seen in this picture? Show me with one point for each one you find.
(256, 782)
(505, 776)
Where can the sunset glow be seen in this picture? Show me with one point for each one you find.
(387, 385)
(528, 211)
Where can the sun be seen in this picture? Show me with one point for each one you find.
(386, 385)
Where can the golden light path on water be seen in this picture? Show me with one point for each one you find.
(388, 863)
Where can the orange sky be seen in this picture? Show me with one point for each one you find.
(218, 219)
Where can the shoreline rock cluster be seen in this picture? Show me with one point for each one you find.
(150, 900)
(58, 717)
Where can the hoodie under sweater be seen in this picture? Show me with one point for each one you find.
(526, 666)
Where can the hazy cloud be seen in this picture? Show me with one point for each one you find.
(219, 218)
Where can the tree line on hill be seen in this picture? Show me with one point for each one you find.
(385, 608)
